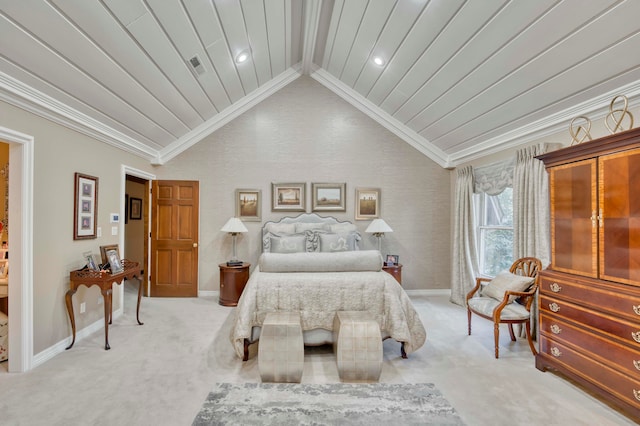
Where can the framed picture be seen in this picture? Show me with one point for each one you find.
(90, 262)
(392, 260)
(249, 205)
(288, 197)
(328, 197)
(135, 208)
(103, 253)
(85, 208)
(367, 203)
(114, 261)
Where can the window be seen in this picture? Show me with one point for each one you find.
(494, 216)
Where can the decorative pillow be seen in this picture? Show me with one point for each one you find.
(288, 244)
(337, 242)
(352, 261)
(302, 227)
(342, 228)
(506, 281)
(281, 228)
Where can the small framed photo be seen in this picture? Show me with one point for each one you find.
(103, 253)
(114, 261)
(90, 261)
(249, 205)
(288, 197)
(367, 203)
(135, 208)
(85, 208)
(392, 260)
(328, 197)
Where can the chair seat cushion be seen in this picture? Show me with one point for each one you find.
(506, 281)
(486, 305)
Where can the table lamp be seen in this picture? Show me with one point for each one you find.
(234, 226)
(378, 227)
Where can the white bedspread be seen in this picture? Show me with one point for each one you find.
(318, 295)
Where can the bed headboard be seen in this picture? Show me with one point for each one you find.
(311, 233)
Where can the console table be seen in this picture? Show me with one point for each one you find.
(104, 280)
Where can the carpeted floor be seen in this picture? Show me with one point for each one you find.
(326, 404)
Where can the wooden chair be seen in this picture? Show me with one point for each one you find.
(514, 307)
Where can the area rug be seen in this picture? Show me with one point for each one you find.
(326, 404)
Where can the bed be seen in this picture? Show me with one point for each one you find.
(313, 265)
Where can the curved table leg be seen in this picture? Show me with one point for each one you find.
(139, 298)
(106, 295)
(72, 318)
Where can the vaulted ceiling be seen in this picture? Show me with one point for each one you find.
(458, 79)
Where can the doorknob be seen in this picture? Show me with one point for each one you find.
(195, 245)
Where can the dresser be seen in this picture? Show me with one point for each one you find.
(589, 299)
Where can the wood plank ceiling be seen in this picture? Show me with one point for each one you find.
(459, 79)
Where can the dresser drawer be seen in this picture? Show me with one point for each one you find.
(619, 300)
(626, 331)
(622, 386)
(609, 352)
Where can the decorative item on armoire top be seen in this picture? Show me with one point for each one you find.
(617, 116)
(249, 205)
(580, 133)
(367, 203)
(328, 197)
(234, 226)
(378, 227)
(85, 206)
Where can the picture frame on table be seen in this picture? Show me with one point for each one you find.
(114, 261)
(85, 208)
(135, 208)
(249, 205)
(90, 261)
(103, 253)
(392, 260)
(328, 197)
(367, 203)
(288, 197)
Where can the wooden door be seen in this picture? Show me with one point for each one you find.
(619, 187)
(574, 238)
(174, 238)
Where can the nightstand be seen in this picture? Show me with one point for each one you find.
(395, 270)
(232, 282)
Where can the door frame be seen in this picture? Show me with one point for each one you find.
(21, 171)
(124, 171)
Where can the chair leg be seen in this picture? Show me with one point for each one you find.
(511, 333)
(469, 321)
(527, 328)
(496, 335)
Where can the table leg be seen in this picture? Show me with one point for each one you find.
(139, 298)
(106, 295)
(72, 318)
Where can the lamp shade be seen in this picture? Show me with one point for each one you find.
(378, 226)
(234, 226)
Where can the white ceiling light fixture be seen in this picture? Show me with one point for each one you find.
(242, 56)
(379, 61)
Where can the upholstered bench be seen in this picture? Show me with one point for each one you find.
(357, 343)
(4, 337)
(281, 349)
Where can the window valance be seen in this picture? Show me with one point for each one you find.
(493, 178)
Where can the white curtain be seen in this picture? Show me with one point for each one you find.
(464, 259)
(531, 206)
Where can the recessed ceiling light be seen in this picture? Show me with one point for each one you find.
(242, 56)
(378, 60)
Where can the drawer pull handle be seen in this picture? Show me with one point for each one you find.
(636, 309)
(636, 393)
(554, 307)
(555, 329)
(555, 287)
(636, 336)
(555, 352)
(636, 364)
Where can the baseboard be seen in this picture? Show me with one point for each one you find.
(58, 348)
(430, 292)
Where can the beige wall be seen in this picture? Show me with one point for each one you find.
(305, 133)
(58, 153)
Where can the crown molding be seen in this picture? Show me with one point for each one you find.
(18, 94)
(225, 116)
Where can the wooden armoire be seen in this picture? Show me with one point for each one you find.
(589, 300)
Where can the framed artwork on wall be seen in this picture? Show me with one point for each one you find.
(85, 209)
(249, 205)
(135, 208)
(288, 197)
(328, 197)
(367, 203)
